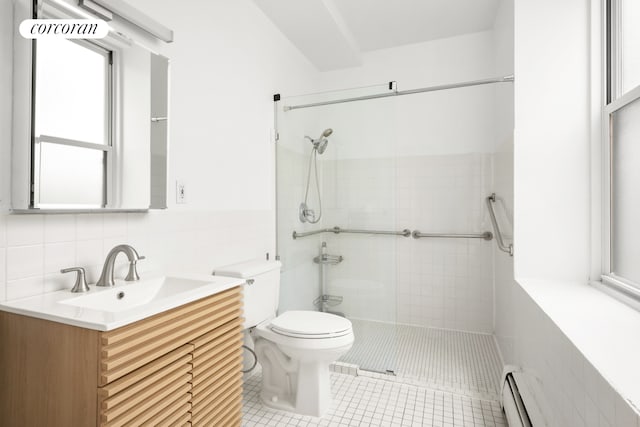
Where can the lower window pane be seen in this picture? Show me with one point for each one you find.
(625, 189)
(71, 176)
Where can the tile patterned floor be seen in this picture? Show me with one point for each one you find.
(459, 362)
(364, 401)
(442, 379)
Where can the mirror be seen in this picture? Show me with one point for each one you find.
(91, 119)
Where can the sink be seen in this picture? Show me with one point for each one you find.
(131, 295)
(104, 309)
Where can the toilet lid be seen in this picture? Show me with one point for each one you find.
(310, 323)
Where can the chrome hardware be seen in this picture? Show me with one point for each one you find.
(81, 281)
(250, 281)
(503, 79)
(487, 235)
(499, 240)
(328, 259)
(305, 214)
(106, 277)
(337, 230)
(158, 119)
(327, 300)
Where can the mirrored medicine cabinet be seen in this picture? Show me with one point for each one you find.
(90, 120)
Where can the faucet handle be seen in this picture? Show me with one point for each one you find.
(132, 275)
(81, 281)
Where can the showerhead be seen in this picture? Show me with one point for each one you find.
(321, 143)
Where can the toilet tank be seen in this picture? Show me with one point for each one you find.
(261, 290)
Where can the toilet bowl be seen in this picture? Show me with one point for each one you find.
(295, 350)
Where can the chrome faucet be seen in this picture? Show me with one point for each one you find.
(106, 277)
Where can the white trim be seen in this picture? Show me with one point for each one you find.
(21, 110)
(624, 285)
(618, 291)
(623, 101)
(137, 18)
(601, 163)
(597, 96)
(72, 142)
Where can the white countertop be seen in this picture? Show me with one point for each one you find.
(49, 306)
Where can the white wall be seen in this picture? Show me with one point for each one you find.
(504, 281)
(552, 139)
(551, 210)
(226, 63)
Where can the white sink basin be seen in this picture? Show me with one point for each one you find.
(105, 309)
(145, 291)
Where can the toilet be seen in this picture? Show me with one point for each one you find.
(294, 348)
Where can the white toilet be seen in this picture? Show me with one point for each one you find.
(295, 348)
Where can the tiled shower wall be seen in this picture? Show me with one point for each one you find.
(33, 248)
(445, 283)
(299, 280)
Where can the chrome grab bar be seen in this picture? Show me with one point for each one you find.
(296, 235)
(338, 230)
(487, 235)
(501, 245)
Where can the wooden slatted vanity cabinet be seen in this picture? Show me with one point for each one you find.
(177, 368)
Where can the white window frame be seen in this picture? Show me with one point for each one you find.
(619, 287)
(106, 148)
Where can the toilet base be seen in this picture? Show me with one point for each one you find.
(311, 394)
(297, 384)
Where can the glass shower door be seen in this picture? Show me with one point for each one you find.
(353, 263)
(361, 186)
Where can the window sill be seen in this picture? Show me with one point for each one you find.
(605, 330)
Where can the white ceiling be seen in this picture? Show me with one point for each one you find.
(334, 33)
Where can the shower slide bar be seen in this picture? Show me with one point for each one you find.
(338, 230)
(499, 240)
(487, 235)
(504, 79)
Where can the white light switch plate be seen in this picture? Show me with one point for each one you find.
(181, 195)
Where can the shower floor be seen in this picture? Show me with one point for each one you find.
(460, 362)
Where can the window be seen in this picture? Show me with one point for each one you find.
(71, 123)
(621, 261)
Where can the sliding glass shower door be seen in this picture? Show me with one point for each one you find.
(346, 262)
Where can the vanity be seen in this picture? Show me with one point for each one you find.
(90, 134)
(163, 351)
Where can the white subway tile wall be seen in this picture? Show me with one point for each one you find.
(569, 389)
(25, 230)
(33, 248)
(299, 282)
(442, 283)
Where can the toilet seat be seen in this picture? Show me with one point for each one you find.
(310, 325)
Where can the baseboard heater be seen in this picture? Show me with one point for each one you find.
(512, 403)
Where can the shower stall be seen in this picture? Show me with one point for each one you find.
(383, 219)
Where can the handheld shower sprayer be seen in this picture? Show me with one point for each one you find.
(320, 144)
(307, 214)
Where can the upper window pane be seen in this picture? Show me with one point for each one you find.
(71, 91)
(625, 192)
(626, 34)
